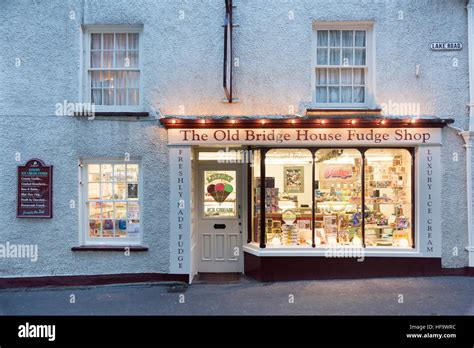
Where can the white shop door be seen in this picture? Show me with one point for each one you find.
(220, 227)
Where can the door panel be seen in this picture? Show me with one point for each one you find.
(220, 218)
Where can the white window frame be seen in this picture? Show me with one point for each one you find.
(86, 63)
(84, 237)
(370, 73)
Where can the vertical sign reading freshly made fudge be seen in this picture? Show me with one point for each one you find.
(34, 195)
(180, 209)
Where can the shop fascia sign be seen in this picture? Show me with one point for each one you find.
(303, 136)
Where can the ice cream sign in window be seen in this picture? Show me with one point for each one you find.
(220, 194)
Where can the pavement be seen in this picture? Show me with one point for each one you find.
(385, 296)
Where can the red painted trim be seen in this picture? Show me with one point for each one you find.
(300, 122)
(85, 280)
(269, 269)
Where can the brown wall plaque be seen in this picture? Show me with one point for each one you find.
(35, 190)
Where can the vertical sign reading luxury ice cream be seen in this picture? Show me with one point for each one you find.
(34, 190)
(429, 200)
(180, 210)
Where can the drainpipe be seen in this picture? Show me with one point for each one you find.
(469, 135)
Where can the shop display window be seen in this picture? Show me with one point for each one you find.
(329, 197)
(338, 197)
(113, 209)
(255, 196)
(388, 198)
(288, 197)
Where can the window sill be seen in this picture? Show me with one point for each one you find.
(308, 251)
(116, 114)
(340, 111)
(130, 248)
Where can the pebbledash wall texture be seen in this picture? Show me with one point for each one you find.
(41, 65)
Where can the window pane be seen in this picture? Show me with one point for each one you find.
(359, 95)
(107, 171)
(121, 44)
(108, 62)
(388, 198)
(94, 210)
(96, 96)
(121, 210)
(256, 189)
(334, 95)
(359, 77)
(132, 172)
(322, 37)
(335, 56)
(96, 79)
(108, 79)
(93, 191)
(288, 197)
(133, 220)
(133, 96)
(95, 59)
(322, 56)
(360, 38)
(321, 94)
(321, 77)
(121, 60)
(120, 173)
(335, 38)
(133, 79)
(108, 41)
(120, 191)
(346, 95)
(220, 193)
(346, 77)
(93, 171)
(333, 76)
(96, 41)
(108, 96)
(107, 210)
(359, 58)
(347, 56)
(133, 59)
(133, 41)
(107, 191)
(347, 39)
(107, 228)
(120, 96)
(338, 197)
(94, 228)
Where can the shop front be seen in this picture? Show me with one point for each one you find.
(306, 198)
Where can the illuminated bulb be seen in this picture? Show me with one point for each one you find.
(203, 121)
(263, 121)
(293, 121)
(353, 121)
(173, 121)
(317, 241)
(276, 241)
(413, 120)
(323, 122)
(403, 243)
(356, 241)
(383, 122)
(233, 121)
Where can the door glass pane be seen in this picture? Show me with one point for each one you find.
(288, 197)
(220, 193)
(388, 198)
(338, 197)
(255, 168)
